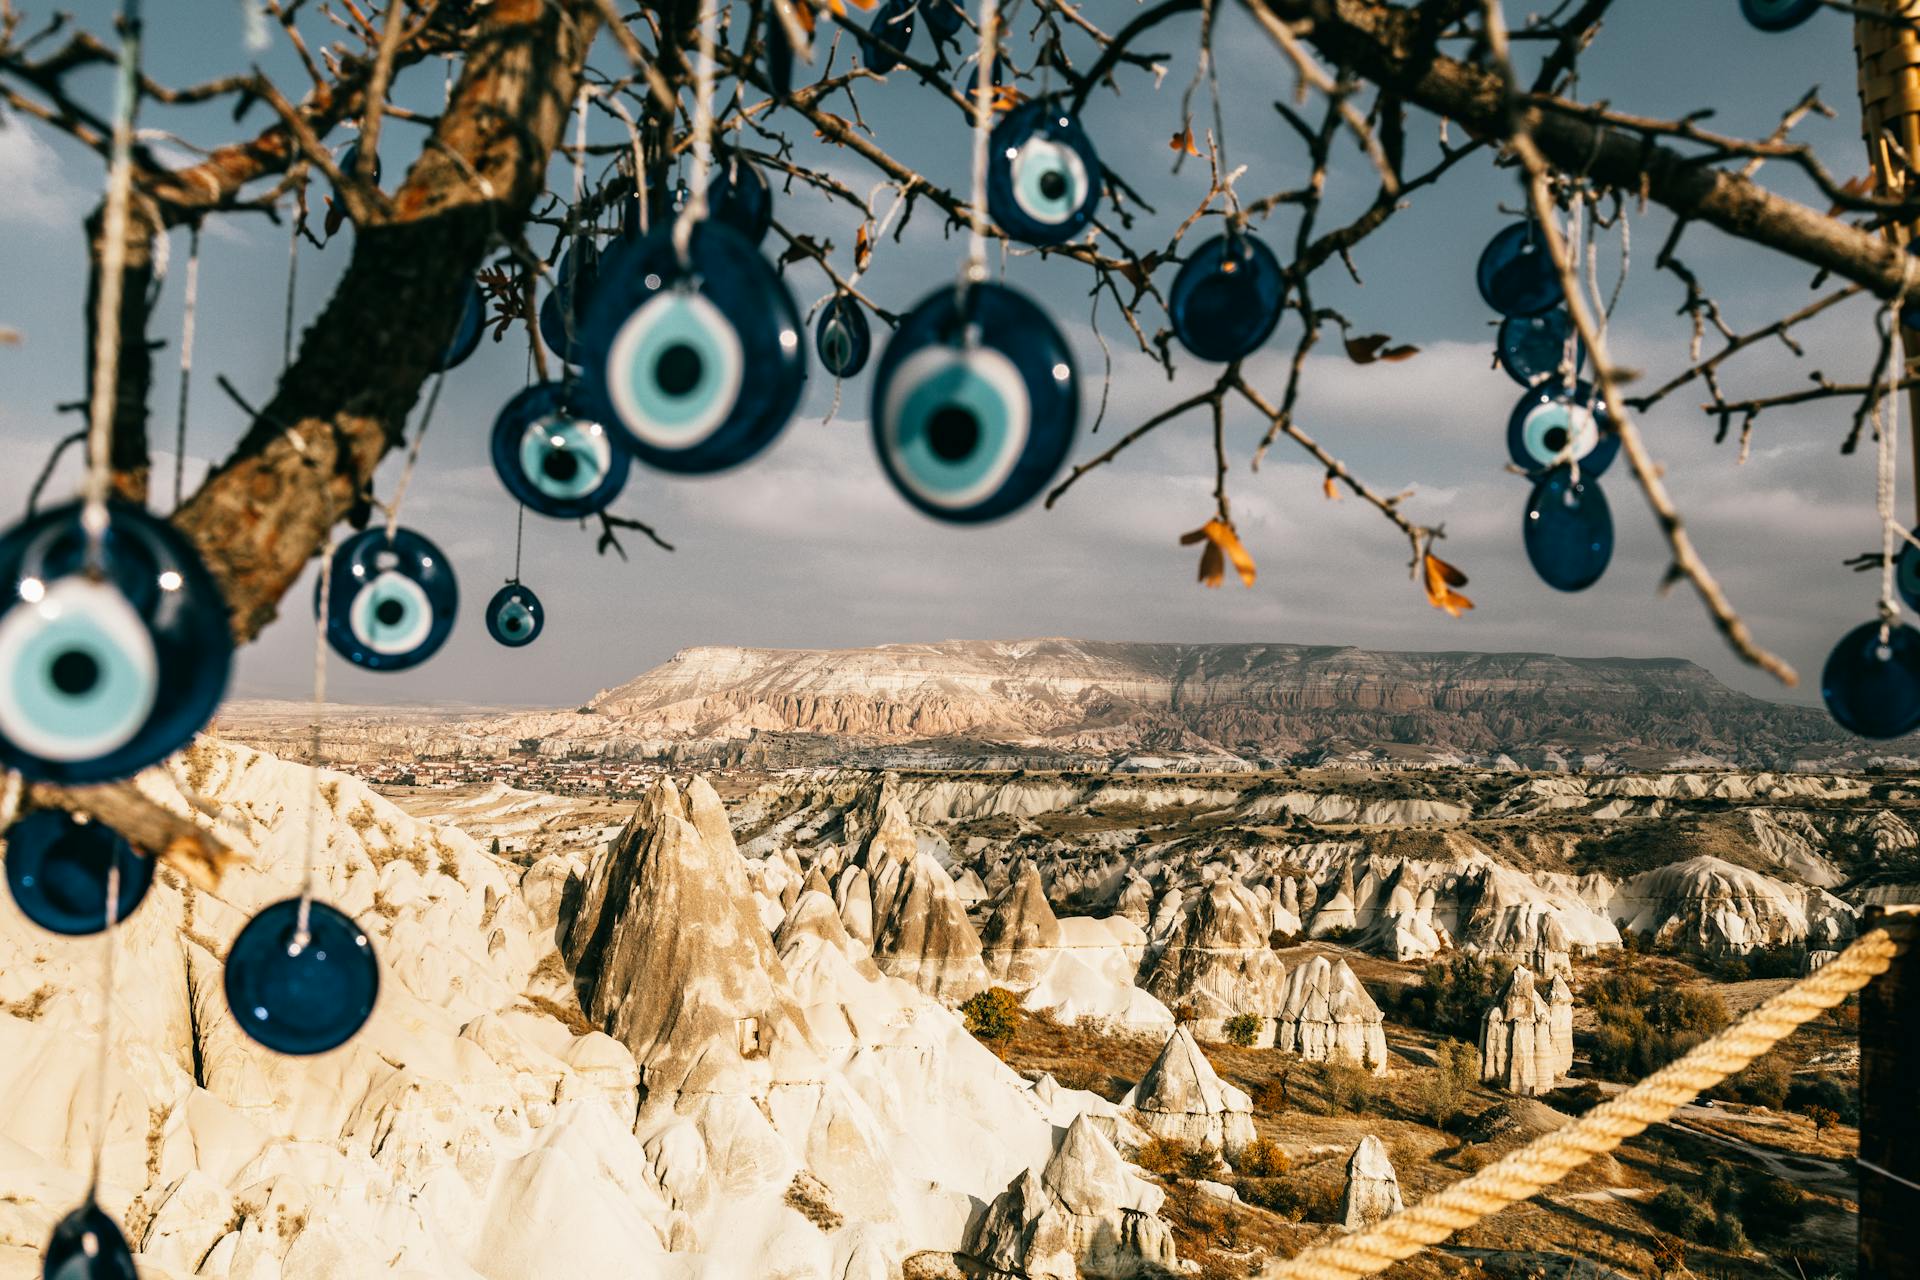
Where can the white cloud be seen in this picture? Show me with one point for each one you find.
(38, 189)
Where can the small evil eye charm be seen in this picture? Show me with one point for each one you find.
(974, 403)
(103, 674)
(842, 337)
(563, 310)
(1568, 531)
(1531, 348)
(58, 868)
(553, 459)
(466, 335)
(515, 615)
(891, 33)
(88, 1245)
(390, 605)
(1778, 15)
(700, 367)
(301, 977)
(1551, 426)
(943, 17)
(1226, 299)
(1871, 683)
(738, 195)
(1516, 273)
(1043, 178)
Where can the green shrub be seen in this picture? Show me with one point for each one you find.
(1242, 1029)
(1456, 993)
(1347, 1086)
(1457, 1070)
(1772, 1206)
(1641, 1027)
(1826, 1093)
(1679, 1213)
(993, 1015)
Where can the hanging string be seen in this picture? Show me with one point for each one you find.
(696, 207)
(293, 279)
(186, 363)
(519, 532)
(113, 270)
(983, 101)
(310, 867)
(1885, 480)
(413, 456)
(102, 1099)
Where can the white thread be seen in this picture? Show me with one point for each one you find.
(413, 456)
(187, 309)
(696, 207)
(100, 1094)
(314, 744)
(983, 97)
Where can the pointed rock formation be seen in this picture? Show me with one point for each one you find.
(1327, 1015)
(853, 894)
(1218, 964)
(1373, 1189)
(1518, 1050)
(926, 938)
(1135, 901)
(1022, 933)
(1560, 1000)
(1184, 1098)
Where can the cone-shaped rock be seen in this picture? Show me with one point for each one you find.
(1327, 1015)
(1218, 964)
(926, 938)
(1184, 1098)
(1022, 933)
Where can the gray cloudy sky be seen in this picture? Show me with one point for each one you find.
(809, 546)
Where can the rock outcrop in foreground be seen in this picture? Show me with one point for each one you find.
(1373, 1189)
(1182, 1097)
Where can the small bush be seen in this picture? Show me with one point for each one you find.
(1443, 1094)
(1456, 992)
(1679, 1213)
(1824, 1118)
(1763, 1084)
(1348, 1086)
(1261, 1159)
(1772, 1206)
(1242, 1029)
(992, 1016)
(1827, 1092)
(1163, 1156)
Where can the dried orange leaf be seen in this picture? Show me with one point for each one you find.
(1184, 142)
(1441, 579)
(862, 248)
(1327, 487)
(842, 127)
(1858, 186)
(1403, 352)
(1222, 544)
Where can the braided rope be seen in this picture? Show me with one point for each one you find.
(1546, 1160)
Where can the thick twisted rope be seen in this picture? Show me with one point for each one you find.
(1547, 1159)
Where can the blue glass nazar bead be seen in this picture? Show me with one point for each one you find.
(1549, 419)
(1568, 531)
(58, 867)
(842, 338)
(1516, 273)
(88, 1245)
(301, 993)
(515, 615)
(1531, 348)
(1226, 300)
(1871, 683)
(1778, 15)
(553, 458)
(390, 604)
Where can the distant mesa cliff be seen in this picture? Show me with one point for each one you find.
(1261, 703)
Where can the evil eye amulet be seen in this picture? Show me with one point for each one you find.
(88, 1245)
(390, 605)
(1226, 299)
(301, 992)
(1906, 572)
(842, 338)
(669, 351)
(1516, 273)
(1568, 531)
(515, 616)
(563, 310)
(1871, 683)
(101, 676)
(892, 32)
(555, 460)
(1531, 348)
(1550, 421)
(58, 868)
(943, 17)
(738, 196)
(974, 403)
(466, 334)
(1043, 178)
(1778, 15)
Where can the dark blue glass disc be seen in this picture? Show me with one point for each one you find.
(101, 678)
(563, 311)
(974, 403)
(1906, 573)
(891, 33)
(943, 17)
(1516, 273)
(1547, 418)
(390, 605)
(1532, 347)
(738, 195)
(1043, 177)
(842, 338)
(301, 995)
(466, 334)
(557, 461)
(1778, 15)
(88, 1245)
(57, 869)
(1226, 299)
(515, 615)
(1872, 686)
(700, 369)
(1568, 531)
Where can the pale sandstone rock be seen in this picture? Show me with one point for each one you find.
(1183, 1097)
(1373, 1189)
(1218, 964)
(1326, 1015)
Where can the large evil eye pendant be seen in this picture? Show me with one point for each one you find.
(1568, 531)
(1226, 299)
(102, 675)
(390, 604)
(739, 197)
(515, 615)
(891, 33)
(58, 868)
(87, 1245)
(1531, 348)
(1871, 683)
(668, 351)
(842, 338)
(563, 310)
(974, 403)
(1516, 273)
(1551, 426)
(1778, 15)
(466, 334)
(553, 459)
(1043, 178)
(301, 990)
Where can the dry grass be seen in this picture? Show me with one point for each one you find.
(568, 1015)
